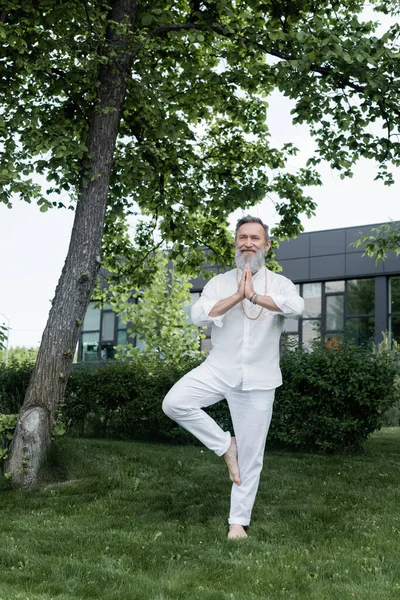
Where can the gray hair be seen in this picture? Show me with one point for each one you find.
(250, 219)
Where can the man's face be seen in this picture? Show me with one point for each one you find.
(250, 238)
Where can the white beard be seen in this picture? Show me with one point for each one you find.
(255, 260)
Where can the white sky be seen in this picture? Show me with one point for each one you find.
(33, 245)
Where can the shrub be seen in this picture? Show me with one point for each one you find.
(332, 399)
(14, 380)
(122, 398)
(7, 426)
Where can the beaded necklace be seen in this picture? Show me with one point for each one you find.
(241, 303)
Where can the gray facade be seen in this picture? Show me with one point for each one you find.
(327, 256)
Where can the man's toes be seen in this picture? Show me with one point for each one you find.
(236, 532)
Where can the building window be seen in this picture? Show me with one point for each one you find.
(360, 310)
(290, 337)
(334, 311)
(394, 308)
(102, 331)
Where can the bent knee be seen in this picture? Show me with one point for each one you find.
(170, 406)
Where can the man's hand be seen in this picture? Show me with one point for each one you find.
(241, 291)
(222, 306)
(249, 285)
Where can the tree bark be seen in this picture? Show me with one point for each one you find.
(32, 435)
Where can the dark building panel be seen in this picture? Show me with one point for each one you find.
(198, 283)
(353, 234)
(295, 248)
(297, 269)
(327, 267)
(327, 242)
(391, 263)
(358, 265)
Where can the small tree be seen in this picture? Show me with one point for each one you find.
(159, 317)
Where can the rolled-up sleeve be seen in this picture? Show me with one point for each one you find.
(205, 304)
(290, 303)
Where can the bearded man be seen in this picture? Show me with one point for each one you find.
(245, 307)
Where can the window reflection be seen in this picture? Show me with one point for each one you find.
(360, 330)
(311, 333)
(291, 325)
(361, 297)
(312, 299)
(107, 350)
(92, 318)
(394, 294)
(289, 341)
(395, 328)
(334, 287)
(90, 347)
(107, 326)
(334, 312)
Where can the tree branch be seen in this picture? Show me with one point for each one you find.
(342, 80)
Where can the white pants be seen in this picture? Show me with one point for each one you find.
(251, 412)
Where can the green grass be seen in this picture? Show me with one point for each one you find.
(130, 521)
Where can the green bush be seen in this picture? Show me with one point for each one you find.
(332, 399)
(7, 426)
(14, 380)
(123, 399)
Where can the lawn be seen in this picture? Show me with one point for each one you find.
(134, 521)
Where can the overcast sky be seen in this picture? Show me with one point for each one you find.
(33, 245)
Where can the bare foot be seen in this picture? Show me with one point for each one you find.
(230, 457)
(236, 532)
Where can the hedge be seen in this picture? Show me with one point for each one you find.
(331, 400)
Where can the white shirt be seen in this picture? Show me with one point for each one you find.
(244, 352)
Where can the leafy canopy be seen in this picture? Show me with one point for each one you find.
(193, 142)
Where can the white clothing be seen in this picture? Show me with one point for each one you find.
(246, 352)
(251, 413)
(242, 367)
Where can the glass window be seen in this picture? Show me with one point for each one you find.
(394, 294)
(395, 328)
(334, 287)
(361, 297)
(291, 325)
(334, 341)
(92, 318)
(107, 350)
(121, 338)
(312, 299)
(289, 341)
(334, 312)
(360, 330)
(108, 325)
(122, 324)
(311, 332)
(90, 347)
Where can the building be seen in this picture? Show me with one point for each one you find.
(345, 293)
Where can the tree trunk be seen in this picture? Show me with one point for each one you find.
(32, 435)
